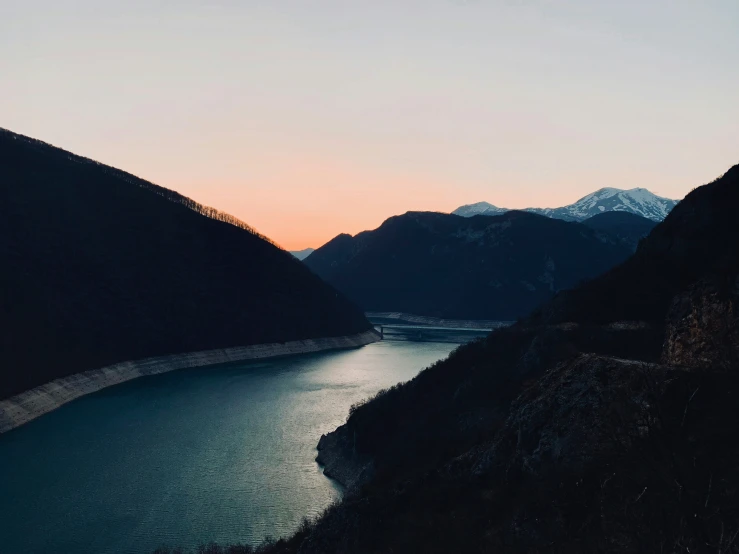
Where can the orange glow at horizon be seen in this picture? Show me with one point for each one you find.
(308, 203)
(306, 120)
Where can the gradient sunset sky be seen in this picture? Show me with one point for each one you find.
(308, 118)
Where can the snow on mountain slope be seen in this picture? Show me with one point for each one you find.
(637, 201)
(479, 208)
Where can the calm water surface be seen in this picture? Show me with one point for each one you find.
(220, 454)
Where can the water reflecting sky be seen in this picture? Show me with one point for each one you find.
(221, 454)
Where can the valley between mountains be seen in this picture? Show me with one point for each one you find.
(602, 419)
(602, 422)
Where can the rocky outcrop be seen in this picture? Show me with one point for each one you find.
(577, 412)
(574, 412)
(703, 327)
(24, 407)
(338, 456)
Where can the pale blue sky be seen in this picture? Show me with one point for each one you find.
(309, 118)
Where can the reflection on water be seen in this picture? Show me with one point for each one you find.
(211, 454)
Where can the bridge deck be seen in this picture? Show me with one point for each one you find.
(432, 328)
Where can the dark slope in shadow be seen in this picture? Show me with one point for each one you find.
(99, 267)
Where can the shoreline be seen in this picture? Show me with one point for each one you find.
(31, 404)
(340, 462)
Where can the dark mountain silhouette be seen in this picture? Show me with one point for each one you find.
(627, 227)
(606, 422)
(697, 239)
(483, 267)
(99, 267)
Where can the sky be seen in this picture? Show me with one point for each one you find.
(308, 118)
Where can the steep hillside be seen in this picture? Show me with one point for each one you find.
(697, 239)
(100, 267)
(627, 227)
(637, 201)
(447, 266)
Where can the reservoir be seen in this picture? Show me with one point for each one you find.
(223, 453)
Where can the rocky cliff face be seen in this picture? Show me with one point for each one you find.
(571, 416)
(338, 455)
(703, 327)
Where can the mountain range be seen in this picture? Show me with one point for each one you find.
(637, 201)
(99, 267)
(482, 267)
(603, 422)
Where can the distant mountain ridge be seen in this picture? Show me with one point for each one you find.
(302, 254)
(479, 208)
(637, 201)
(447, 266)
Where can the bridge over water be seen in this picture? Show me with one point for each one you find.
(400, 331)
(402, 326)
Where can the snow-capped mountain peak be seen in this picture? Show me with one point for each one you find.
(479, 208)
(600, 194)
(638, 201)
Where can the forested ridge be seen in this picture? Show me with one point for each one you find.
(482, 267)
(101, 267)
(49, 150)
